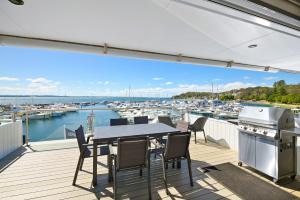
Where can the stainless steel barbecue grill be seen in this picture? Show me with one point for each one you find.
(262, 143)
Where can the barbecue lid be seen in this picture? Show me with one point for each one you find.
(266, 116)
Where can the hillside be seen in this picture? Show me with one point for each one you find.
(280, 92)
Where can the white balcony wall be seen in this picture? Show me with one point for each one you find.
(10, 137)
(218, 131)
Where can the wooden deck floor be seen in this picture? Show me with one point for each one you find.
(45, 171)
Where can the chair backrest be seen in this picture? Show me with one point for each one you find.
(141, 120)
(81, 140)
(177, 145)
(199, 124)
(119, 121)
(132, 152)
(165, 120)
(182, 126)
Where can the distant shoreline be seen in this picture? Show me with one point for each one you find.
(80, 96)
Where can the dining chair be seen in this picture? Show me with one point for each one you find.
(176, 148)
(181, 126)
(166, 120)
(85, 150)
(198, 126)
(141, 120)
(119, 121)
(130, 154)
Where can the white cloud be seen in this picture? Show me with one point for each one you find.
(157, 78)
(9, 90)
(4, 78)
(169, 83)
(217, 79)
(41, 85)
(104, 82)
(41, 80)
(246, 77)
(269, 78)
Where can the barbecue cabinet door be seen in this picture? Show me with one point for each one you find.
(247, 148)
(266, 156)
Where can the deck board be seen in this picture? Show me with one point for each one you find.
(45, 171)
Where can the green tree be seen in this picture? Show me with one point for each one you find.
(280, 88)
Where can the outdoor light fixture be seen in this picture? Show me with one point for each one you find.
(252, 46)
(17, 2)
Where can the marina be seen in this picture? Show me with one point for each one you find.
(54, 118)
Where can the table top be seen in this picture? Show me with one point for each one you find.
(114, 132)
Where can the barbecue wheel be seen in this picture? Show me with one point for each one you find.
(240, 164)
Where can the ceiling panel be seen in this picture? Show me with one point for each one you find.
(186, 27)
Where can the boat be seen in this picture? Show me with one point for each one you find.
(57, 113)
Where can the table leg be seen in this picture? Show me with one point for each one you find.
(94, 163)
(109, 164)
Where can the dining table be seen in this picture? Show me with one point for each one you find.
(110, 134)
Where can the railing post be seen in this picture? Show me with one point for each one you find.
(13, 117)
(27, 129)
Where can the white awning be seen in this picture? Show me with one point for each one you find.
(190, 31)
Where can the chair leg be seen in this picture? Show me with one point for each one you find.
(77, 169)
(204, 136)
(110, 173)
(115, 181)
(173, 163)
(165, 175)
(141, 171)
(190, 170)
(81, 164)
(195, 137)
(179, 164)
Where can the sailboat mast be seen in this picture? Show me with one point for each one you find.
(212, 90)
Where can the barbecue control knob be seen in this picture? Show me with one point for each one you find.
(254, 130)
(245, 128)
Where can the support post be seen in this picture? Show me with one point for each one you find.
(27, 129)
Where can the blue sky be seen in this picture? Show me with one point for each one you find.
(39, 72)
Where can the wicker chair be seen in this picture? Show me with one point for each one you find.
(166, 120)
(130, 154)
(177, 148)
(119, 121)
(85, 150)
(141, 120)
(198, 126)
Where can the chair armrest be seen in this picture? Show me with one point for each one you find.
(87, 145)
(89, 136)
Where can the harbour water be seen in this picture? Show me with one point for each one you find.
(53, 128)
